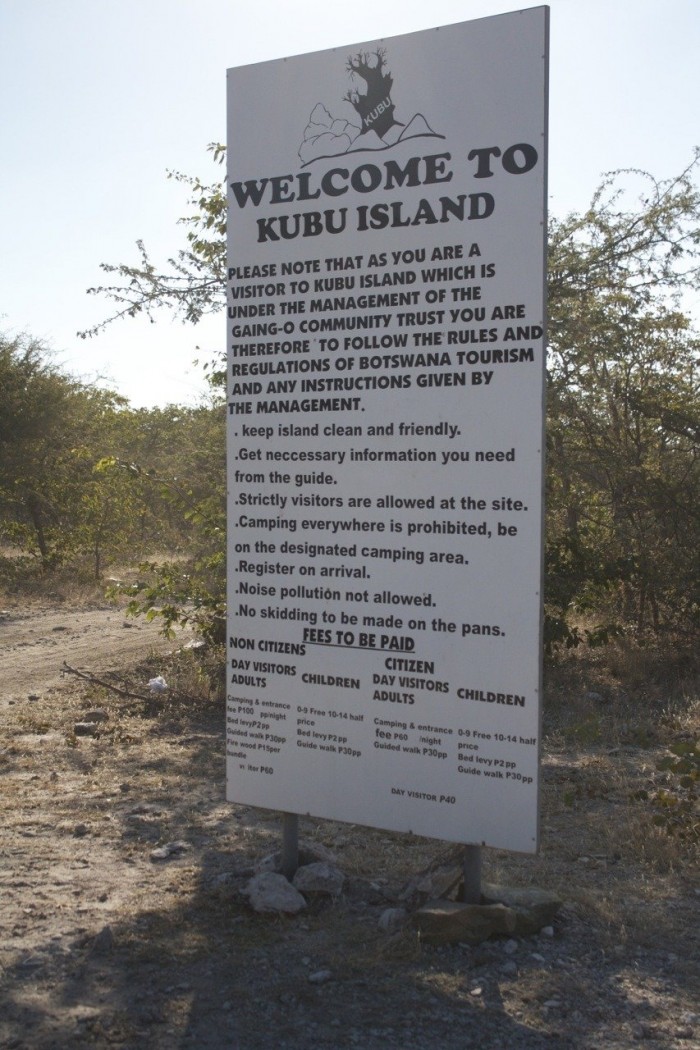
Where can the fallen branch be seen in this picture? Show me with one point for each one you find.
(67, 669)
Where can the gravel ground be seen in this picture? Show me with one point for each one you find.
(103, 945)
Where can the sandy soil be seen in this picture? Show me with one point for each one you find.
(34, 645)
(102, 944)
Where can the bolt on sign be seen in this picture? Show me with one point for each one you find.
(385, 380)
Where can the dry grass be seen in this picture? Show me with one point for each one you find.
(23, 583)
(610, 715)
(622, 694)
(603, 735)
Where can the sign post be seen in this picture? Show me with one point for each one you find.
(386, 321)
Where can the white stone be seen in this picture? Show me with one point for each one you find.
(272, 892)
(319, 877)
(170, 849)
(320, 977)
(392, 919)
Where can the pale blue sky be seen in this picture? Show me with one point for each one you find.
(99, 97)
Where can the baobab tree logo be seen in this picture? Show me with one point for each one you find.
(370, 97)
(375, 108)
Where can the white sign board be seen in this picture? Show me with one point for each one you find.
(385, 422)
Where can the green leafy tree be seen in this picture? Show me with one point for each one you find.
(193, 282)
(106, 514)
(189, 489)
(86, 478)
(50, 425)
(624, 418)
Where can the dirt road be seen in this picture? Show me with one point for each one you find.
(34, 645)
